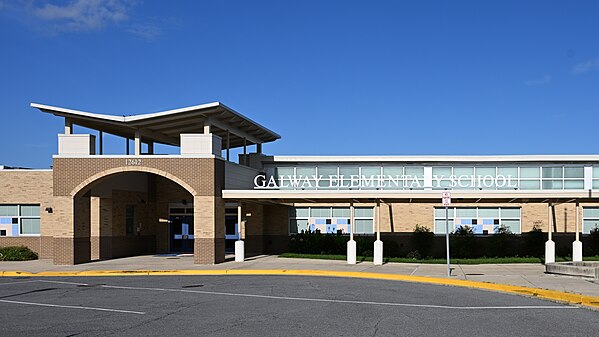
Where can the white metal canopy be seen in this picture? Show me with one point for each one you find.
(166, 126)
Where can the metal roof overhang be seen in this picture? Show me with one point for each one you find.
(166, 127)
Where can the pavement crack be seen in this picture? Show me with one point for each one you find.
(29, 292)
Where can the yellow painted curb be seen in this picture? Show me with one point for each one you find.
(554, 295)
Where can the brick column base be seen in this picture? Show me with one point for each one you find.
(70, 251)
(209, 251)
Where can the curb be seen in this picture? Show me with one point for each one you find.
(554, 295)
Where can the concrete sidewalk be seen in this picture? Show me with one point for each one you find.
(527, 275)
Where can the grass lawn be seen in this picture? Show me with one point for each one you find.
(482, 260)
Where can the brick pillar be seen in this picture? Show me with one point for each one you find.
(209, 229)
(72, 233)
(101, 228)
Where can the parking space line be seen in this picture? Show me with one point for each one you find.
(6, 283)
(74, 307)
(63, 282)
(430, 306)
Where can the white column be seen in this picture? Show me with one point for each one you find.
(351, 244)
(549, 245)
(137, 143)
(239, 244)
(206, 128)
(378, 244)
(577, 244)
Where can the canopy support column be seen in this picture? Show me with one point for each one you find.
(577, 244)
(137, 142)
(378, 244)
(549, 245)
(351, 244)
(239, 244)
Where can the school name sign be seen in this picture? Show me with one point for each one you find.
(263, 181)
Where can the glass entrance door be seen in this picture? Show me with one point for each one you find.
(181, 233)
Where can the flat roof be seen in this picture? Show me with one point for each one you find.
(166, 126)
(433, 159)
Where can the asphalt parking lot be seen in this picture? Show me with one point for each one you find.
(273, 306)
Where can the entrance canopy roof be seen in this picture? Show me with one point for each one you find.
(166, 126)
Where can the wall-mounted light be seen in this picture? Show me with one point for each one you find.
(49, 209)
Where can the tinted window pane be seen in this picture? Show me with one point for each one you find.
(440, 212)
(297, 225)
(9, 210)
(341, 212)
(440, 226)
(488, 212)
(530, 185)
(552, 172)
(510, 213)
(588, 225)
(393, 171)
(590, 212)
(484, 171)
(30, 210)
(574, 184)
(299, 212)
(30, 226)
(363, 212)
(574, 172)
(458, 171)
(529, 172)
(466, 213)
(320, 212)
(442, 171)
(364, 226)
(512, 225)
(508, 171)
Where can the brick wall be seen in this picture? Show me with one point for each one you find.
(29, 187)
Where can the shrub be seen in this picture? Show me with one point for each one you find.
(21, 253)
(534, 242)
(501, 243)
(422, 240)
(594, 241)
(464, 244)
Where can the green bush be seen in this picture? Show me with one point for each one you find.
(422, 240)
(21, 253)
(594, 241)
(464, 244)
(501, 243)
(534, 242)
(308, 242)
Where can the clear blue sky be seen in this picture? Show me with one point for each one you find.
(332, 77)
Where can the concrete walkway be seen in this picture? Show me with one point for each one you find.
(527, 275)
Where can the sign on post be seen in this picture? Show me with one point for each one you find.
(446, 197)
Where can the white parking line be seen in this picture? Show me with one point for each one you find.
(63, 282)
(5, 283)
(526, 307)
(74, 307)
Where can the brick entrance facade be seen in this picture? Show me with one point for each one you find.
(84, 225)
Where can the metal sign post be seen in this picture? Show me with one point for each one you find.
(446, 196)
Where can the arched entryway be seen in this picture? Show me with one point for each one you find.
(135, 212)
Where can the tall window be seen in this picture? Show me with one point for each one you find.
(130, 219)
(330, 219)
(590, 219)
(16, 220)
(482, 220)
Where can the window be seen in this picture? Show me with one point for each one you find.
(590, 219)
(129, 219)
(16, 220)
(482, 220)
(330, 220)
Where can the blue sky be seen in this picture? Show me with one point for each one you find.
(332, 77)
